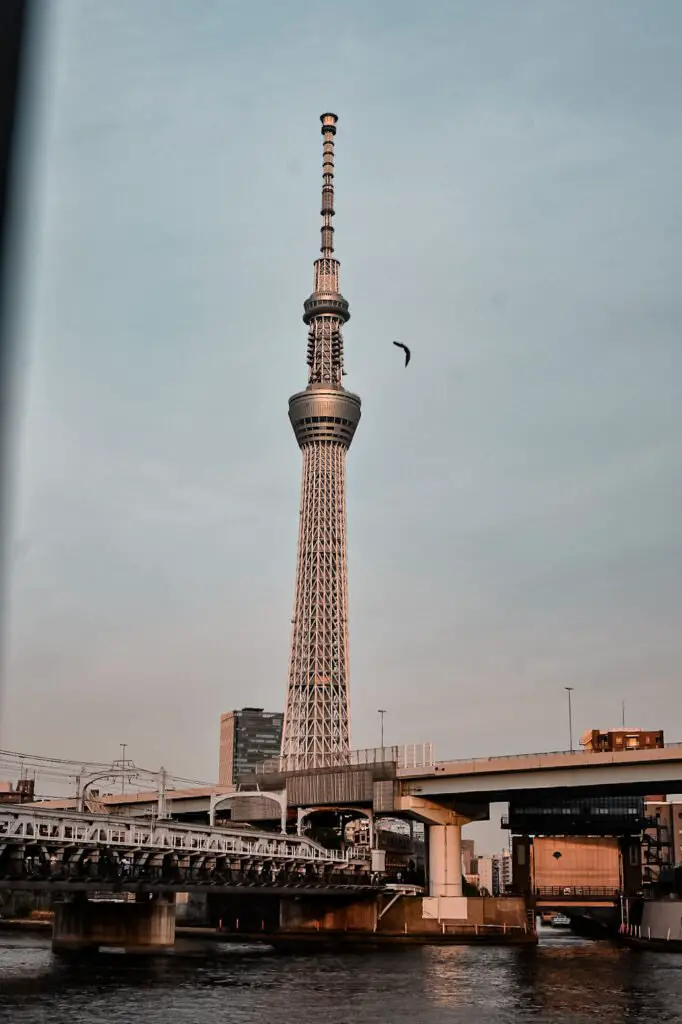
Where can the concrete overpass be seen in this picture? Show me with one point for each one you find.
(445, 795)
(499, 779)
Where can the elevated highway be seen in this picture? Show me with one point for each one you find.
(498, 779)
(470, 781)
(445, 795)
(86, 859)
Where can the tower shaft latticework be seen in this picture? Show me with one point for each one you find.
(324, 418)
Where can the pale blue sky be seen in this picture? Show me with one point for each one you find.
(509, 205)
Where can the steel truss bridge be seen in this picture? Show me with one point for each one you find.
(50, 849)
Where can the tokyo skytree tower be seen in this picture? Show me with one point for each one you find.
(324, 418)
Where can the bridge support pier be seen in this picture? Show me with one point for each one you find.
(444, 843)
(145, 926)
(445, 860)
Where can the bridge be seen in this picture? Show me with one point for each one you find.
(86, 857)
(403, 782)
(263, 886)
(445, 795)
(497, 779)
(412, 771)
(44, 848)
(408, 782)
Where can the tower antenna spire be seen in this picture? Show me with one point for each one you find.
(328, 133)
(326, 310)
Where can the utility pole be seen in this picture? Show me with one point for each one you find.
(161, 805)
(382, 712)
(569, 690)
(622, 706)
(79, 779)
(124, 747)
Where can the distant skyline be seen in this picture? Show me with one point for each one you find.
(508, 204)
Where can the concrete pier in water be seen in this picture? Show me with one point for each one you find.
(145, 926)
(387, 918)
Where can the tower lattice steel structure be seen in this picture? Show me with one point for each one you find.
(324, 418)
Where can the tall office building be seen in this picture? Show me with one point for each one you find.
(324, 418)
(247, 738)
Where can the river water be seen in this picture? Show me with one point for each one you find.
(564, 979)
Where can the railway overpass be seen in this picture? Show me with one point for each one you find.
(82, 858)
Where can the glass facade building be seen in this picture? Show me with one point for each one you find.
(247, 738)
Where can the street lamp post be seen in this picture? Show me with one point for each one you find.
(569, 690)
(382, 712)
(124, 747)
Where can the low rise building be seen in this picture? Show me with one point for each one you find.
(621, 739)
(21, 793)
(662, 838)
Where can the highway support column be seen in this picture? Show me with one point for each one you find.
(445, 860)
(444, 842)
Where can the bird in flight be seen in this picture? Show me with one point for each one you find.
(405, 349)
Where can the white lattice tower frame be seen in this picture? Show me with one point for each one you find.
(324, 418)
(318, 713)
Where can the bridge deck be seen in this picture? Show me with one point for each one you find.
(115, 888)
(490, 778)
(68, 852)
(551, 759)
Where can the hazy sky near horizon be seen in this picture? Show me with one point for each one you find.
(508, 204)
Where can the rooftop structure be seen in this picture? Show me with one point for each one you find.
(622, 739)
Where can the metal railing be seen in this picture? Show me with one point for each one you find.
(576, 892)
(409, 755)
(619, 822)
(635, 931)
(462, 928)
(556, 753)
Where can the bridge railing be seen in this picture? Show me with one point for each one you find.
(408, 755)
(555, 753)
(482, 930)
(576, 892)
(551, 754)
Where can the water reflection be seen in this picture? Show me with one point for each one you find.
(564, 980)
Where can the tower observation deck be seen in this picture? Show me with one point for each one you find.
(324, 418)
